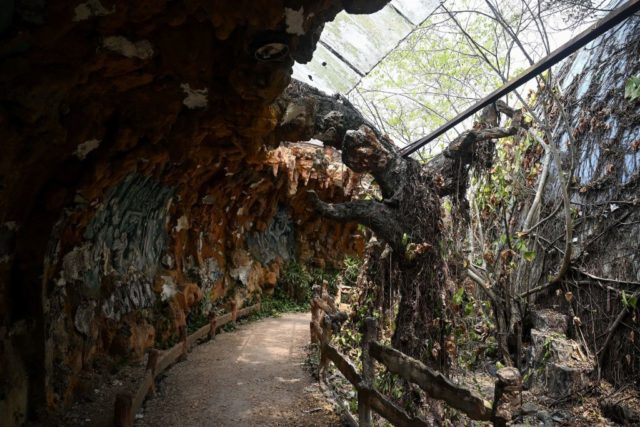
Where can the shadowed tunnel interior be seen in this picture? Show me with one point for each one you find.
(140, 177)
(159, 167)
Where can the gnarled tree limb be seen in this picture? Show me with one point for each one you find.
(379, 217)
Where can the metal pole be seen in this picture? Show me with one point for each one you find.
(603, 25)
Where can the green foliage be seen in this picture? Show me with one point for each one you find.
(168, 343)
(632, 88)
(295, 283)
(547, 347)
(278, 303)
(199, 315)
(529, 256)
(630, 302)
(457, 297)
(500, 190)
(351, 270)
(434, 72)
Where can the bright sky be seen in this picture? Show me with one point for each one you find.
(362, 41)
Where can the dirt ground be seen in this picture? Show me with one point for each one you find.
(254, 376)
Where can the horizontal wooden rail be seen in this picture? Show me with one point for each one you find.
(127, 404)
(432, 382)
(377, 401)
(390, 411)
(343, 364)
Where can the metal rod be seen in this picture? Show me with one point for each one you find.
(603, 25)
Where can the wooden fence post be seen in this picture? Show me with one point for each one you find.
(123, 410)
(152, 364)
(213, 325)
(368, 371)
(324, 340)
(183, 340)
(506, 396)
(234, 312)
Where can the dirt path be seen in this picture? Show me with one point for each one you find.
(253, 376)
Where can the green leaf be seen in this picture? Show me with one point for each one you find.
(457, 297)
(629, 302)
(468, 308)
(529, 256)
(632, 88)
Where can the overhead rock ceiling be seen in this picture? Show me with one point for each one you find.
(139, 156)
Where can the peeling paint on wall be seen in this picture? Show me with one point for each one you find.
(196, 98)
(89, 9)
(141, 49)
(85, 148)
(183, 223)
(169, 288)
(243, 264)
(295, 20)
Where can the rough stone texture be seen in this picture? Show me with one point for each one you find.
(507, 397)
(605, 194)
(550, 320)
(278, 240)
(559, 365)
(137, 156)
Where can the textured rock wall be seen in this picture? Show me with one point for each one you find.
(137, 156)
(130, 277)
(605, 194)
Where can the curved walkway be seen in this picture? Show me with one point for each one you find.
(254, 376)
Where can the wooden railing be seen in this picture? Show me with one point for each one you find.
(127, 404)
(432, 382)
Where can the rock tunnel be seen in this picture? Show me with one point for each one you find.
(156, 158)
(143, 175)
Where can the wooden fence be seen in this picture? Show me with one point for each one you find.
(127, 404)
(434, 384)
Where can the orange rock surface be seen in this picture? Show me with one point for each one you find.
(140, 155)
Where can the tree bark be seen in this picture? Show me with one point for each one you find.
(408, 217)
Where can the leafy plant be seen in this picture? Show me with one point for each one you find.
(457, 297)
(632, 88)
(198, 316)
(295, 282)
(351, 270)
(629, 301)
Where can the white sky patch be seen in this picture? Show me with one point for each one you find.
(141, 49)
(85, 148)
(295, 20)
(196, 98)
(89, 9)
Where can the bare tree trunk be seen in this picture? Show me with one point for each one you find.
(408, 219)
